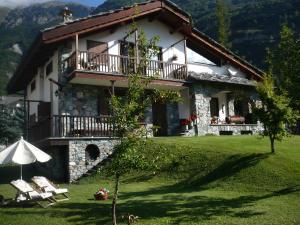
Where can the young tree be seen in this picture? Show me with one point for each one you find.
(275, 113)
(223, 23)
(129, 111)
(284, 62)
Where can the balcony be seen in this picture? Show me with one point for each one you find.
(66, 126)
(108, 64)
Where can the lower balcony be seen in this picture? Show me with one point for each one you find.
(66, 126)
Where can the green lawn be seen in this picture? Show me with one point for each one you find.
(205, 180)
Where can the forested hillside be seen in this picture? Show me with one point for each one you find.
(18, 28)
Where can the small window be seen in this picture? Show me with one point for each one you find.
(49, 68)
(32, 86)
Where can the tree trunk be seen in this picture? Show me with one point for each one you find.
(114, 202)
(272, 140)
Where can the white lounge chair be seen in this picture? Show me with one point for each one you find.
(47, 186)
(26, 193)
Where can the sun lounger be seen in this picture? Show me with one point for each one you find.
(26, 193)
(47, 186)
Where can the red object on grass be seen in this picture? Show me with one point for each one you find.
(102, 194)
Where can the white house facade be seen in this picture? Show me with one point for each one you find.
(71, 70)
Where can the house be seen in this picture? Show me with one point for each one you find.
(71, 69)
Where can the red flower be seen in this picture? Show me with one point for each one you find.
(193, 117)
(184, 122)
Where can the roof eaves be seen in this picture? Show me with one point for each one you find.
(95, 16)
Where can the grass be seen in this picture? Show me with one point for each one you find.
(204, 180)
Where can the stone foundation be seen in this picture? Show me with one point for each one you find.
(202, 96)
(79, 160)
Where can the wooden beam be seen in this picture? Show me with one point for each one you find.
(185, 51)
(136, 51)
(76, 50)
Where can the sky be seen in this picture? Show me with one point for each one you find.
(14, 3)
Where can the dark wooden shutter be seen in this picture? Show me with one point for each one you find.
(97, 47)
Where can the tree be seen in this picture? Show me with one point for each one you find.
(11, 123)
(275, 113)
(223, 23)
(284, 62)
(130, 110)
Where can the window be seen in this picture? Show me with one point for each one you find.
(32, 86)
(49, 68)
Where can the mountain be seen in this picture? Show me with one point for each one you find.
(19, 26)
(3, 12)
(255, 24)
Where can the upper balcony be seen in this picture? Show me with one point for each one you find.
(117, 65)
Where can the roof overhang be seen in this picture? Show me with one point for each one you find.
(48, 40)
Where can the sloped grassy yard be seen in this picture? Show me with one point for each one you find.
(204, 180)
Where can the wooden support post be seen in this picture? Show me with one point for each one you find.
(185, 52)
(136, 52)
(25, 116)
(112, 110)
(186, 58)
(28, 120)
(112, 87)
(76, 51)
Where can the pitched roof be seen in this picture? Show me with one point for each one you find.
(48, 39)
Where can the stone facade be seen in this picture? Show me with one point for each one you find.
(202, 96)
(80, 162)
(79, 100)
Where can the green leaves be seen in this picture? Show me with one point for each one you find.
(223, 23)
(129, 110)
(275, 113)
(284, 63)
(11, 124)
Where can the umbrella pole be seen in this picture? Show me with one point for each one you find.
(21, 173)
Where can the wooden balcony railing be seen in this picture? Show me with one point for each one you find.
(60, 126)
(123, 65)
(81, 126)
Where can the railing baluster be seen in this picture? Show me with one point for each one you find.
(108, 63)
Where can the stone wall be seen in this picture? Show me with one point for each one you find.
(79, 163)
(79, 100)
(202, 95)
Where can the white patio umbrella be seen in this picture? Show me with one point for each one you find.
(22, 152)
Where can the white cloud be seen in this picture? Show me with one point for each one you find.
(14, 3)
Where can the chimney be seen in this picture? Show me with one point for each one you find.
(66, 14)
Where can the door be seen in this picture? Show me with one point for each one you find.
(127, 63)
(214, 107)
(159, 112)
